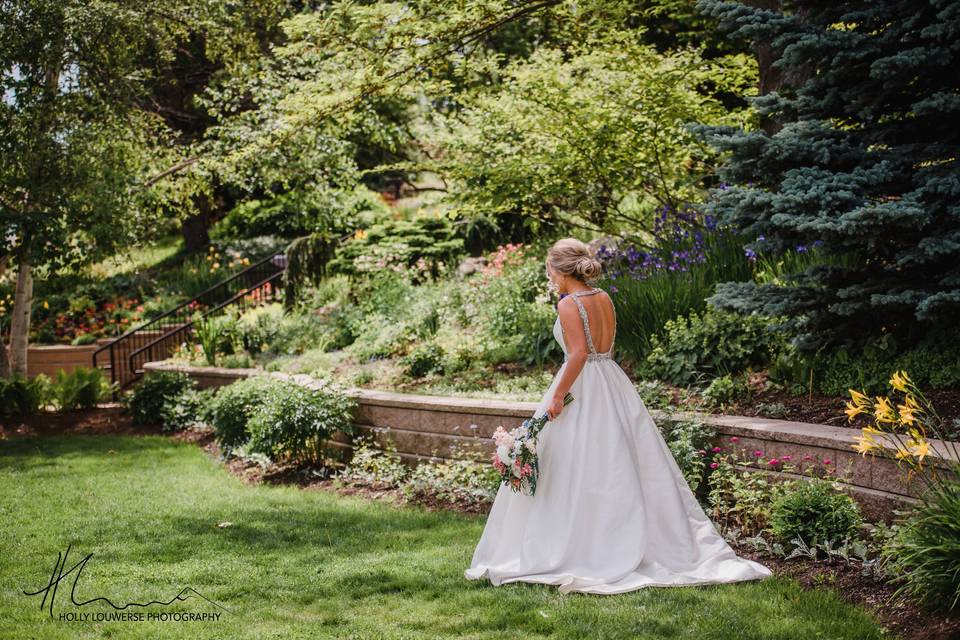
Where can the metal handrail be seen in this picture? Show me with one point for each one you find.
(189, 324)
(173, 322)
(187, 303)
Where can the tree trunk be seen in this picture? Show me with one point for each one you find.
(770, 77)
(4, 358)
(194, 228)
(20, 323)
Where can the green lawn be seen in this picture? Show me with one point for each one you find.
(309, 564)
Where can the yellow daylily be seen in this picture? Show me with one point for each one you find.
(858, 398)
(864, 446)
(853, 410)
(921, 449)
(906, 415)
(883, 411)
(360, 234)
(899, 380)
(903, 451)
(866, 441)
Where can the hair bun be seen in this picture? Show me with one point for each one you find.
(589, 268)
(573, 257)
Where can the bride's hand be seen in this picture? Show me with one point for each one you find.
(555, 407)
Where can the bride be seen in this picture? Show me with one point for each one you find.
(612, 511)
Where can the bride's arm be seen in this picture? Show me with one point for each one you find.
(576, 341)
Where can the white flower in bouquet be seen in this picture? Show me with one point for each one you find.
(503, 452)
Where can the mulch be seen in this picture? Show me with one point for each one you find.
(900, 615)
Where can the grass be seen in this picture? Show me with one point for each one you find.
(311, 564)
(139, 258)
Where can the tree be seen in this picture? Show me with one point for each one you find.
(74, 144)
(593, 136)
(866, 162)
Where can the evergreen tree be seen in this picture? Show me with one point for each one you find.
(864, 160)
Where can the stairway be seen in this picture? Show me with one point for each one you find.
(124, 356)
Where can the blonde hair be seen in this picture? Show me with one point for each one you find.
(572, 257)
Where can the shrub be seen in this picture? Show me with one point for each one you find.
(654, 394)
(372, 466)
(459, 481)
(924, 555)
(295, 421)
(381, 337)
(815, 511)
(510, 304)
(740, 498)
(725, 390)
(217, 334)
(712, 343)
(772, 409)
(257, 327)
(183, 410)
(298, 332)
(400, 244)
(686, 438)
(20, 394)
(935, 363)
(146, 400)
(240, 360)
(82, 388)
(230, 408)
(423, 360)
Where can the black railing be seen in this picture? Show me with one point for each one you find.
(157, 338)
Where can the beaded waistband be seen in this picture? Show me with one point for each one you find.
(593, 357)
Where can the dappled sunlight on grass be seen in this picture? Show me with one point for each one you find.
(298, 563)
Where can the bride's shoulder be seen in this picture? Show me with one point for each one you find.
(566, 306)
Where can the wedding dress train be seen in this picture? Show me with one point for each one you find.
(612, 511)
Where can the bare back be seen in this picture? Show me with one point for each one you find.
(601, 319)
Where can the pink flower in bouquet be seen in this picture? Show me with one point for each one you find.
(716, 449)
(758, 453)
(734, 439)
(714, 465)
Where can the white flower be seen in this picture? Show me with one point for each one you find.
(503, 452)
(531, 446)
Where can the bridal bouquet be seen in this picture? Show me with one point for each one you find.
(516, 455)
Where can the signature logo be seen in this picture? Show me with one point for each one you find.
(60, 573)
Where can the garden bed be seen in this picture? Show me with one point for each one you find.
(424, 428)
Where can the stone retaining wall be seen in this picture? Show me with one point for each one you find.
(431, 428)
(48, 359)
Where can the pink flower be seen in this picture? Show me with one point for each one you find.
(702, 452)
(773, 461)
(826, 461)
(758, 453)
(786, 457)
(716, 449)
(734, 439)
(808, 457)
(714, 465)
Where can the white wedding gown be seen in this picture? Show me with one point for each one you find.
(612, 511)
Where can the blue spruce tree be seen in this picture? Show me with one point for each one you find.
(859, 152)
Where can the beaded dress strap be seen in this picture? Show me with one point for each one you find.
(593, 355)
(583, 318)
